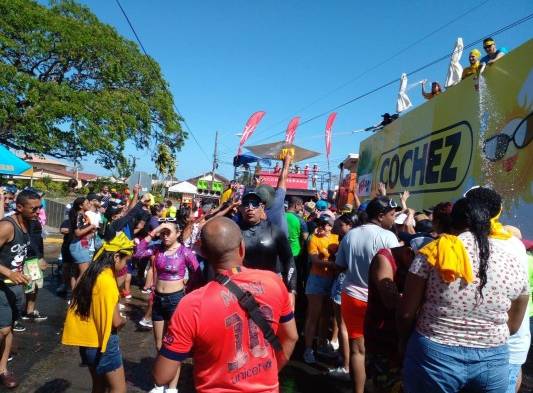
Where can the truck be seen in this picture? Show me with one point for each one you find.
(476, 133)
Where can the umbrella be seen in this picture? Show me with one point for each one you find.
(183, 188)
(10, 164)
(244, 159)
(403, 101)
(272, 150)
(455, 71)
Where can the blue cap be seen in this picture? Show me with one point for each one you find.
(321, 205)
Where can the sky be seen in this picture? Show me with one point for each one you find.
(225, 60)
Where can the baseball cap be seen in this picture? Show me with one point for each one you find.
(381, 205)
(325, 219)
(322, 205)
(347, 208)
(112, 210)
(310, 206)
(251, 194)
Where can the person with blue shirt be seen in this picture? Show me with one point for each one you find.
(493, 53)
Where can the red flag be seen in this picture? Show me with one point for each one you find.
(250, 127)
(329, 124)
(291, 130)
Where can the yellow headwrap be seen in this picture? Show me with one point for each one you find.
(488, 42)
(448, 255)
(497, 231)
(475, 53)
(119, 243)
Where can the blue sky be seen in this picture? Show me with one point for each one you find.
(225, 60)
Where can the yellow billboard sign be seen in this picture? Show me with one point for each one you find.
(476, 133)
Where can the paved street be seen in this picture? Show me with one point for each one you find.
(45, 366)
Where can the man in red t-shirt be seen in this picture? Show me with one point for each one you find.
(229, 350)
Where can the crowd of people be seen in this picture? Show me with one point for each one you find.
(428, 301)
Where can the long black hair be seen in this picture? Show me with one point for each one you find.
(82, 293)
(474, 216)
(73, 212)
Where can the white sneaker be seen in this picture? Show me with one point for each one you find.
(309, 356)
(334, 345)
(121, 306)
(339, 373)
(171, 390)
(147, 323)
(157, 389)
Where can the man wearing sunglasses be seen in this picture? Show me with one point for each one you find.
(14, 247)
(355, 254)
(493, 53)
(267, 247)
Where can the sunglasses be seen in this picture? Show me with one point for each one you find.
(251, 204)
(487, 47)
(496, 146)
(36, 209)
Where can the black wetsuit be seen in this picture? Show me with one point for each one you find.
(267, 248)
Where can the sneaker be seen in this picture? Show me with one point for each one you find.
(171, 390)
(121, 307)
(146, 291)
(157, 389)
(35, 316)
(339, 373)
(18, 327)
(147, 323)
(126, 294)
(309, 356)
(334, 345)
(326, 350)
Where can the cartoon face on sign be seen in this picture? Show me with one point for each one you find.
(510, 151)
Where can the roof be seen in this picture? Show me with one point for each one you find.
(207, 176)
(183, 188)
(63, 172)
(35, 159)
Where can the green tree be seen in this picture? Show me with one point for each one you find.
(71, 86)
(165, 163)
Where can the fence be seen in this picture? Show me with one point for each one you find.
(55, 213)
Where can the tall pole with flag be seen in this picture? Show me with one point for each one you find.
(329, 125)
(250, 127)
(291, 130)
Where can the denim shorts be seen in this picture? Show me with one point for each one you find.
(434, 367)
(79, 253)
(165, 304)
(105, 362)
(336, 289)
(11, 303)
(318, 285)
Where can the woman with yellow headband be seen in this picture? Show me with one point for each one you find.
(473, 69)
(464, 294)
(93, 317)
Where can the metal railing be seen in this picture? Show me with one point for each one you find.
(55, 213)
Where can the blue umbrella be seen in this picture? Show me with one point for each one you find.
(10, 164)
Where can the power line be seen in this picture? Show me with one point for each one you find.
(375, 66)
(189, 131)
(447, 56)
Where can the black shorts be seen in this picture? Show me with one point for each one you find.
(11, 304)
(165, 304)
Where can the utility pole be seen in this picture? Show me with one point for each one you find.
(215, 161)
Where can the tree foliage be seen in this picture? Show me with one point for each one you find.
(71, 86)
(165, 162)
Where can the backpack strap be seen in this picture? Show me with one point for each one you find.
(249, 304)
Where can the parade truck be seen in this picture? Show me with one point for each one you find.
(478, 132)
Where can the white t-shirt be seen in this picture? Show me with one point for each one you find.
(95, 218)
(355, 253)
(519, 342)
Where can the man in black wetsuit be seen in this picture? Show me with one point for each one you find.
(267, 247)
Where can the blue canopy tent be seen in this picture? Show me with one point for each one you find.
(10, 164)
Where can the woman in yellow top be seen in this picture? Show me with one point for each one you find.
(322, 248)
(93, 317)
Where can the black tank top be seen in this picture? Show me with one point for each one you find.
(13, 253)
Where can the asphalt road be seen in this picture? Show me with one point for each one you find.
(43, 365)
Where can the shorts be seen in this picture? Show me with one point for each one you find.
(79, 253)
(514, 370)
(336, 289)
(318, 285)
(11, 303)
(106, 362)
(353, 312)
(165, 304)
(33, 285)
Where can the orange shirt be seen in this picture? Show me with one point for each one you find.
(229, 351)
(325, 247)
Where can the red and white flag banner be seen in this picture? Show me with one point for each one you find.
(250, 127)
(291, 130)
(329, 124)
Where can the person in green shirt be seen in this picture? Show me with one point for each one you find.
(297, 234)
